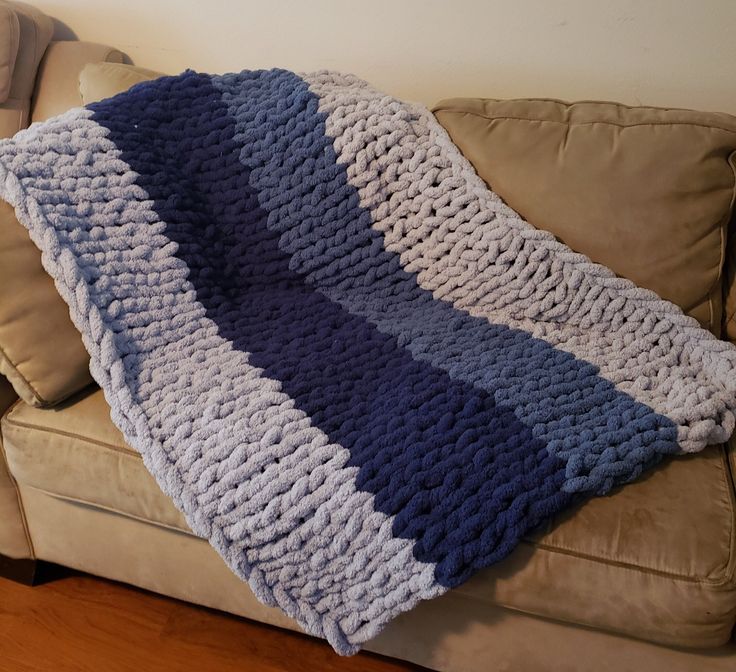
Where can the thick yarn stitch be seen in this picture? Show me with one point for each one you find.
(359, 375)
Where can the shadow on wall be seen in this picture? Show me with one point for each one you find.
(428, 50)
(63, 33)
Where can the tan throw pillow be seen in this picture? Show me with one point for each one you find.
(41, 352)
(647, 192)
(98, 81)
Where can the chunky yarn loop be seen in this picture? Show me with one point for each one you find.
(357, 373)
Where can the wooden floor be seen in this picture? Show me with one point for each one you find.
(78, 623)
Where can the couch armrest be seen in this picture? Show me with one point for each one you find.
(57, 84)
(31, 30)
(14, 539)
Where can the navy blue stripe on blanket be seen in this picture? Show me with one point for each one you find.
(330, 239)
(462, 475)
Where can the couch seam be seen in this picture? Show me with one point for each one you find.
(586, 101)
(118, 449)
(111, 509)
(623, 565)
(696, 645)
(732, 131)
(692, 648)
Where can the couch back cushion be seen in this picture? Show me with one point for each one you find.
(647, 192)
(41, 352)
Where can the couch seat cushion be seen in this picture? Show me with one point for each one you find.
(75, 451)
(654, 560)
(647, 192)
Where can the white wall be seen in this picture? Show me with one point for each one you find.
(659, 52)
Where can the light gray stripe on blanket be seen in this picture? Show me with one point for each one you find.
(471, 250)
(254, 464)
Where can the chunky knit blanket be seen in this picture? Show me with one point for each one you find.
(357, 373)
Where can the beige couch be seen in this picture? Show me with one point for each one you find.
(644, 579)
